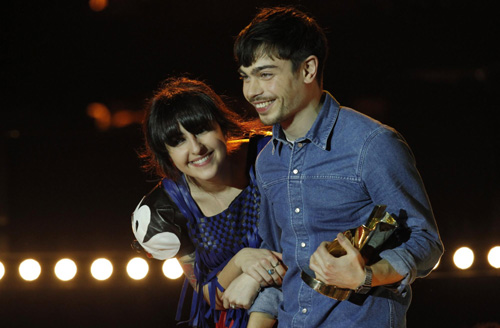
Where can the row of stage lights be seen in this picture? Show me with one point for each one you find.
(101, 269)
(138, 268)
(463, 258)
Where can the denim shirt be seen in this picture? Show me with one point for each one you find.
(328, 182)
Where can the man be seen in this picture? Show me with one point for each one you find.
(325, 169)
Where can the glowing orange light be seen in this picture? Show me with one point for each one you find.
(123, 118)
(98, 5)
(101, 114)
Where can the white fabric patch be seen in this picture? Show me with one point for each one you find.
(161, 246)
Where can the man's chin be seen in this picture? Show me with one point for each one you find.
(267, 120)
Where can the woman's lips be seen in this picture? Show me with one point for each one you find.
(202, 161)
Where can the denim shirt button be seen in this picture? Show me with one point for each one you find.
(304, 310)
(299, 144)
(297, 210)
(302, 244)
(295, 171)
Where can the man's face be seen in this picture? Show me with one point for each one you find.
(276, 92)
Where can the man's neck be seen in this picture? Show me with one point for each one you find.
(303, 120)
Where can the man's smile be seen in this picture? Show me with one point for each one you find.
(263, 106)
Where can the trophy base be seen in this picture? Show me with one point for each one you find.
(337, 293)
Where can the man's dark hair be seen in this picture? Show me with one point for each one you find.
(285, 33)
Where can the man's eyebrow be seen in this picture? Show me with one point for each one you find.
(255, 70)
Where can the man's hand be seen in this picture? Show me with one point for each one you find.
(241, 292)
(345, 272)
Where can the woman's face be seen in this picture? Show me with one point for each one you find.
(199, 156)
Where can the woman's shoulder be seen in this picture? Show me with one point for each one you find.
(159, 225)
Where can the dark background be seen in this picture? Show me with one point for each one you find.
(67, 188)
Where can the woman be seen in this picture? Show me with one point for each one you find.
(205, 210)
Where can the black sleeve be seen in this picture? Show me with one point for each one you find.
(159, 226)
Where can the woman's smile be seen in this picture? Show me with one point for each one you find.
(202, 161)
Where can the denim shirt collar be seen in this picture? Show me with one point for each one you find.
(320, 130)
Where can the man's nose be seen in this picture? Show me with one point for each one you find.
(252, 89)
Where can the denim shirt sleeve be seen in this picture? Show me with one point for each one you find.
(268, 229)
(268, 301)
(389, 174)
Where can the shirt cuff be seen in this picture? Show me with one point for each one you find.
(404, 264)
(268, 301)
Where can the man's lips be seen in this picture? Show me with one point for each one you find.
(263, 106)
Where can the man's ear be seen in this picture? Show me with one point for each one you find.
(310, 69)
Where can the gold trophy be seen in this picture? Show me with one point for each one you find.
(367, 239)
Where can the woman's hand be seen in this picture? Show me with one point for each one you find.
(241, 292)
(263, 265)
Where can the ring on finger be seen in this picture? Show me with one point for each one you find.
(275, 265)
(271, 271)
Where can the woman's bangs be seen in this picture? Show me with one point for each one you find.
(194, 121)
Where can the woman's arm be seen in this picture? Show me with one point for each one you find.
(261, 320)
(187, 264)
(256, 263)
(250, 260)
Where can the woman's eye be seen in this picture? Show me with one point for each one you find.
(177, 141)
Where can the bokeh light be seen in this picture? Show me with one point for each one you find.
(172, 269)
(437, 265)
(2, 270)
(65, 269)
(30, 270)
(125, 117)
(101, 269)
(137, 268)
(101, 114)
(494, 257)
(463, 258)
(98, 5)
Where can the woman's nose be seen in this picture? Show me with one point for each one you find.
(195, 144)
